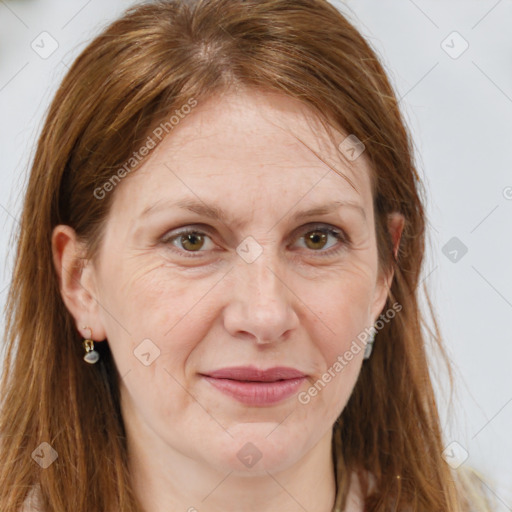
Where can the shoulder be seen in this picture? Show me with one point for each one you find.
(32, 502)
(356, 496)
(476, 492)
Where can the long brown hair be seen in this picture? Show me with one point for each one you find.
(143, 67)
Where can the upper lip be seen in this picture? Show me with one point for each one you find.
(251, 373)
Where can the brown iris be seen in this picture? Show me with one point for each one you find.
(316, 237)
(192, 241)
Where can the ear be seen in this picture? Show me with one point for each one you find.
(77, 282)
(396, 223)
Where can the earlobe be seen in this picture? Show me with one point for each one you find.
(396, 223)
(76, 280)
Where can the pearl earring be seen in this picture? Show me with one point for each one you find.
(369, 346)
(91, 356)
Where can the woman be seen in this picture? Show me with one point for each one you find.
(215, 299)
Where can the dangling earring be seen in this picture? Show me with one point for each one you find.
(369, 345)
(91, 356)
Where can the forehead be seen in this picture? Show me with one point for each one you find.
(246, 142)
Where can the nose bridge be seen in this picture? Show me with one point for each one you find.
(262, 279)
(265, 307)
(259, 265)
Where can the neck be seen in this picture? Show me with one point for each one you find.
(165, 479)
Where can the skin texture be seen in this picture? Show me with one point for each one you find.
(294, 305)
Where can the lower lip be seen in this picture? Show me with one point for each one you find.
(257, 393)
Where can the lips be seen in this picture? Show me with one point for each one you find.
(256, 387)
(250, 373)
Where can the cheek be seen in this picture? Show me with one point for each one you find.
(148, 309)
(152, 298)
(342, 305)
(153, 301)
(154, 327)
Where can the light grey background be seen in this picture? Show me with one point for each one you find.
(459, 107)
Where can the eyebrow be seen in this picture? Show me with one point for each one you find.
(217, 213)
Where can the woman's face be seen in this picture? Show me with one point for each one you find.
(261, 284)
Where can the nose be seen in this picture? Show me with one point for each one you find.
(262, 303)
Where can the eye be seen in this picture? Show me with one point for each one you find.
(188, 240)
(316, 238)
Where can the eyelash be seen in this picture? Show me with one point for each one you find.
(339, 235)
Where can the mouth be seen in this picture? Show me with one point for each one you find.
(253, 386)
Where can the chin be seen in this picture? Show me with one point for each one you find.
(256, 448)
